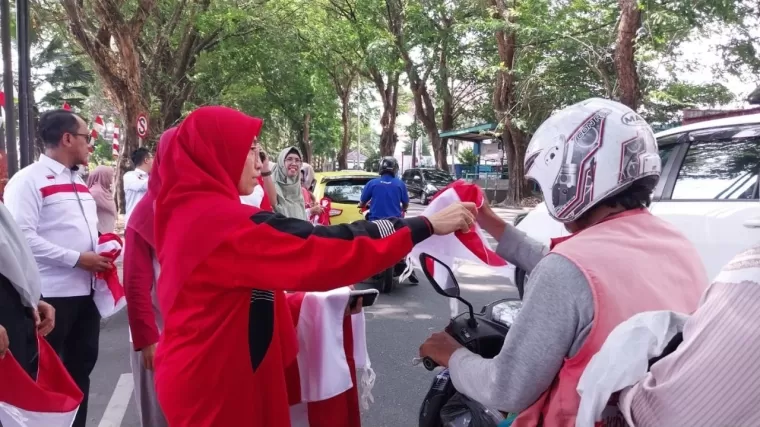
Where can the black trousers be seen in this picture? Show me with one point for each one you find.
(75, 338)
(19, 324)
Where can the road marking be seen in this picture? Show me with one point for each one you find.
(117, 406)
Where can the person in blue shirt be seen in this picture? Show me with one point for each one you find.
(386, 195)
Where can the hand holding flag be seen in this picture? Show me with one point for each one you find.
(456, 217)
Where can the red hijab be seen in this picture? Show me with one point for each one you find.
(141, 219)
(198, 205)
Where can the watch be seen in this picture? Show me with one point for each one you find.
(266, 174)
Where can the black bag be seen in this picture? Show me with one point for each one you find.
(461, 411)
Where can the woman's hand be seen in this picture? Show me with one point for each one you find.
(4, 343)
(356, 310)
(316, 210)
(457, 217)
(266, 166)
(148, 356)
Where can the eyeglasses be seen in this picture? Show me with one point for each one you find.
(292, 160)
(80, 134)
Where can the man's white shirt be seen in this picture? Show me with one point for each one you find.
(54, 209)
(135, 187)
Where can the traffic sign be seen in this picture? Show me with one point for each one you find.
(142, 125)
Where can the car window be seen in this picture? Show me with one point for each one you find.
(345, 190)
(665, 151)
(720, 165)
(407, 175)
(437, 177)
(416, 174)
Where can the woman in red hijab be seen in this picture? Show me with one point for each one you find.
(141, 271)
(228, 333)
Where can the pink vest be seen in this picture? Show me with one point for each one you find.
(634, 262)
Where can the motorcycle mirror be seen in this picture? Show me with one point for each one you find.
(440, 276)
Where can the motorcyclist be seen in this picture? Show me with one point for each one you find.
(388, 195)
(597, 164)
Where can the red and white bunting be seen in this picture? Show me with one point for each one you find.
(115, 144)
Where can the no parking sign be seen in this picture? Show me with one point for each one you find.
(142, 126)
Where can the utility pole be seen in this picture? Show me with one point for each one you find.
(9, 145)
(24, 77)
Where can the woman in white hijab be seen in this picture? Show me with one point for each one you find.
(21, 311)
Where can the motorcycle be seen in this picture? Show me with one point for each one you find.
(482, 333)
(386, 279)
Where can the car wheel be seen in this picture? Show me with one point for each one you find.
(520, 277)
(386, 281)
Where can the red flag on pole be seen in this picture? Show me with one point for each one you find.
(66, 106)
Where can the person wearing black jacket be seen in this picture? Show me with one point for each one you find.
(22, 314)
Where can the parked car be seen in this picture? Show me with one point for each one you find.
(344, 190)
(708, 190)
(423, 183)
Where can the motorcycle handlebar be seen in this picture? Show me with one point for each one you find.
(429, 363)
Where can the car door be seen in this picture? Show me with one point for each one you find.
(711, 192)
(415, 183)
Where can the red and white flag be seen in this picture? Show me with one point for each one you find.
(115, 144)
(108, 291)
(97, 127)
(51, 401)
(470, 247)
(324, 388)
(66, 106)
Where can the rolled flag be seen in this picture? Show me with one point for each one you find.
(115, 144)
(51, 401)
(469, 247)
(323, 387)
(324, 217)
(108, 292)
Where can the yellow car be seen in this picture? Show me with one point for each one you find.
(344, 190)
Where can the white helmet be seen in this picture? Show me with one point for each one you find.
(587, 152)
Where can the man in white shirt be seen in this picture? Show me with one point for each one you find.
(58, 217)
(136, 181)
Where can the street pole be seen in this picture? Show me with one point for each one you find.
(22, 38)
(358, 127)
(10, 121)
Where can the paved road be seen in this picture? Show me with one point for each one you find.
(396, 326)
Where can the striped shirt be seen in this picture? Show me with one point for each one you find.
(713, 378)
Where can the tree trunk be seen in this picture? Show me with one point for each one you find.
(424, 109)
(130, 107)
(307, 150)
(515, 145)
(389, 96)
(503, 101)
(344, 144)
(447, 110)
(625, 60)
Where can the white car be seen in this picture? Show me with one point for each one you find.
(708, 190)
